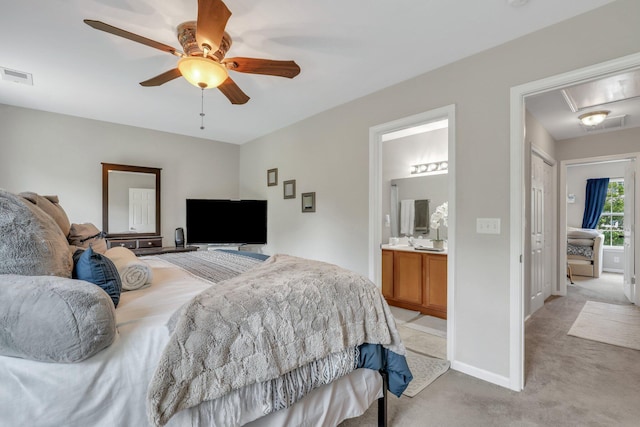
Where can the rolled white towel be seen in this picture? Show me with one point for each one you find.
(134, 273)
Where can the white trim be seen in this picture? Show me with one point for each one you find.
(375, 207)
(516, 208)
(481, 374)
(543, 155)
(562, 231)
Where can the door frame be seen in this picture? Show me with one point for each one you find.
(517, 212)
(375, 199)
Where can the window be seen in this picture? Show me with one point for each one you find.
(611, 222)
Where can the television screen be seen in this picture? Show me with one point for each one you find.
(212, 221)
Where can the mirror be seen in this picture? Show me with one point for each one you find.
(130, 200)
(413, 218)
(431, 189)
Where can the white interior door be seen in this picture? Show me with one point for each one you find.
(629, 232)
(142, 210)
(537, 234)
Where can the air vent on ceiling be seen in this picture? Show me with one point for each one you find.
(608, 123)
(16, 76)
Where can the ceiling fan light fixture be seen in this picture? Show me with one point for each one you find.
(202, 72)
(593, 118)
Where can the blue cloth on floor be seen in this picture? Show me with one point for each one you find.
(375, 356)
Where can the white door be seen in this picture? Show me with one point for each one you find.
(629, 232)
(537, 234)
(142, 210)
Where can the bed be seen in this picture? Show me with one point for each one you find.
(123, 384)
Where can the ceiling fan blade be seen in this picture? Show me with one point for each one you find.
(161, 79)
(263, 66)
(212, 19)
(99, 25)
(231, 90)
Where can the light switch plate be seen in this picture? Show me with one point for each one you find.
(488, 225)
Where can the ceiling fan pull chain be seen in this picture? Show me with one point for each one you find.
(202, 109)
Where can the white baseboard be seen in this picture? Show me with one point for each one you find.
(613, 270)
(496, 379)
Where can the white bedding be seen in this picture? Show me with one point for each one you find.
(110, 388)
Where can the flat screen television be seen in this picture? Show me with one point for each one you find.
(215, 221)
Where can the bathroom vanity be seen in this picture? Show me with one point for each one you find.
(415, 279)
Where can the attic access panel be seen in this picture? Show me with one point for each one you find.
(603, 91)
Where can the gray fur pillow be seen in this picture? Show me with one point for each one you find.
(54, 319)
(31, 243)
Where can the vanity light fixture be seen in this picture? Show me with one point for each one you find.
(429, 167)
(593, 118)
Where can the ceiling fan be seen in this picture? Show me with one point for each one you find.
(205, 43)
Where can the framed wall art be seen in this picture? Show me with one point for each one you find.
(272, 177)
(289, 189)
(308, 202)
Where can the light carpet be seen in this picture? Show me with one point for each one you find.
(425, 370)
(608, 323)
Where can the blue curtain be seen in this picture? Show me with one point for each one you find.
(594, 202)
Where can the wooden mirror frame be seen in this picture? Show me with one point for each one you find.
(106, 167)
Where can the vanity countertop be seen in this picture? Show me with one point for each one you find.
(408, 248)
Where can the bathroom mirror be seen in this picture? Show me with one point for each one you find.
(413, 218)
(130, 200)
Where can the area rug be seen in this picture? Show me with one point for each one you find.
(402, 315)
(429, 324)
(608, 323)
(424, 343)
(425, 370)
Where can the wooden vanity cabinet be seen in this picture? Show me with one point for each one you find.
(415, 281)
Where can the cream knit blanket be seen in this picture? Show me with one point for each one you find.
(257, 326)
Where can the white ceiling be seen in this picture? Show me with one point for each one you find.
(345, 48)
(553, 112)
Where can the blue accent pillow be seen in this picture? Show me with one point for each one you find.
(98, 269)
(247, 254)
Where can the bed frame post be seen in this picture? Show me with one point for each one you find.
(382, 402)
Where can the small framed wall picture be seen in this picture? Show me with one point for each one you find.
(272, 177)
(308, 202)
(289, 189)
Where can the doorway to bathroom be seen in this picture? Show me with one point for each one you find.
(393, 157)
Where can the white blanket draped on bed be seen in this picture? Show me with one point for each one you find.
(257, 316)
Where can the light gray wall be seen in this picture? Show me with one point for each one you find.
(328, 153)
(538, 137)
(56, 154)
(619, 142)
